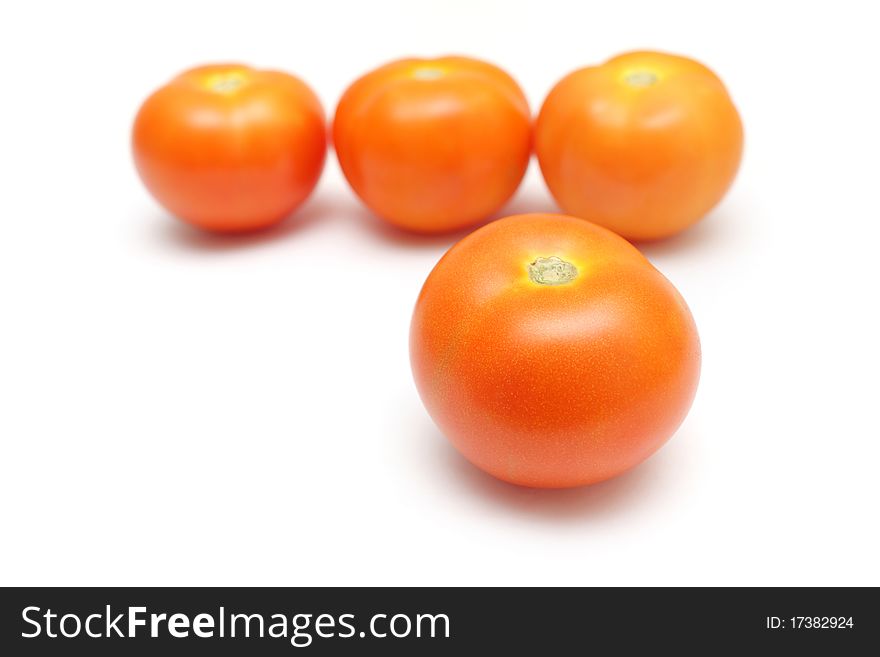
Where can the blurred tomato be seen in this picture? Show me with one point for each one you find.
(645, 144)
(230, 148)
(434, 145)
(551, 353)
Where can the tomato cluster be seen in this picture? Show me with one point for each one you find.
(644, 144)
(546, 347)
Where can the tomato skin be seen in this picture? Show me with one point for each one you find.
(645, 144)
(552, 386)
(229, 148)
(433, 145)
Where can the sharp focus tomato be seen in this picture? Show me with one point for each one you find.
(551, 353)
(434, 145)
(230, 148)
(645, 144)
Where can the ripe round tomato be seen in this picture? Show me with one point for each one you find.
(230, 148)
(551, 353)
(645, 144)
(434, 145)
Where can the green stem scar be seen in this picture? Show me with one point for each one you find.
(227, 83)
(428, 73)
(552, 271)
(641, 78)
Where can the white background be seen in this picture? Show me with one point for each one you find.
(177, 408)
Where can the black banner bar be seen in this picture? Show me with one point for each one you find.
(445, 621)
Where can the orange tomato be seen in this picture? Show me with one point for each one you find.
(230, 148)
(551, 353)
(645, 144)
(434, 145)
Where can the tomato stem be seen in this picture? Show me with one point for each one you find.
(225, 83)
(641, 78)
(552, 271)
(428, 73)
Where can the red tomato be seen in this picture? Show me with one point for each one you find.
(434, 145)
(551, 352)
(645, 144)
(230, 148)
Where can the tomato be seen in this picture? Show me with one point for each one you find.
(645, 144)
(551, 353)
(434, 145)
(230, 148)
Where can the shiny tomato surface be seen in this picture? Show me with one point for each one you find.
(551, 352)
(644, 144)
(433, 145)
(230, 148)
